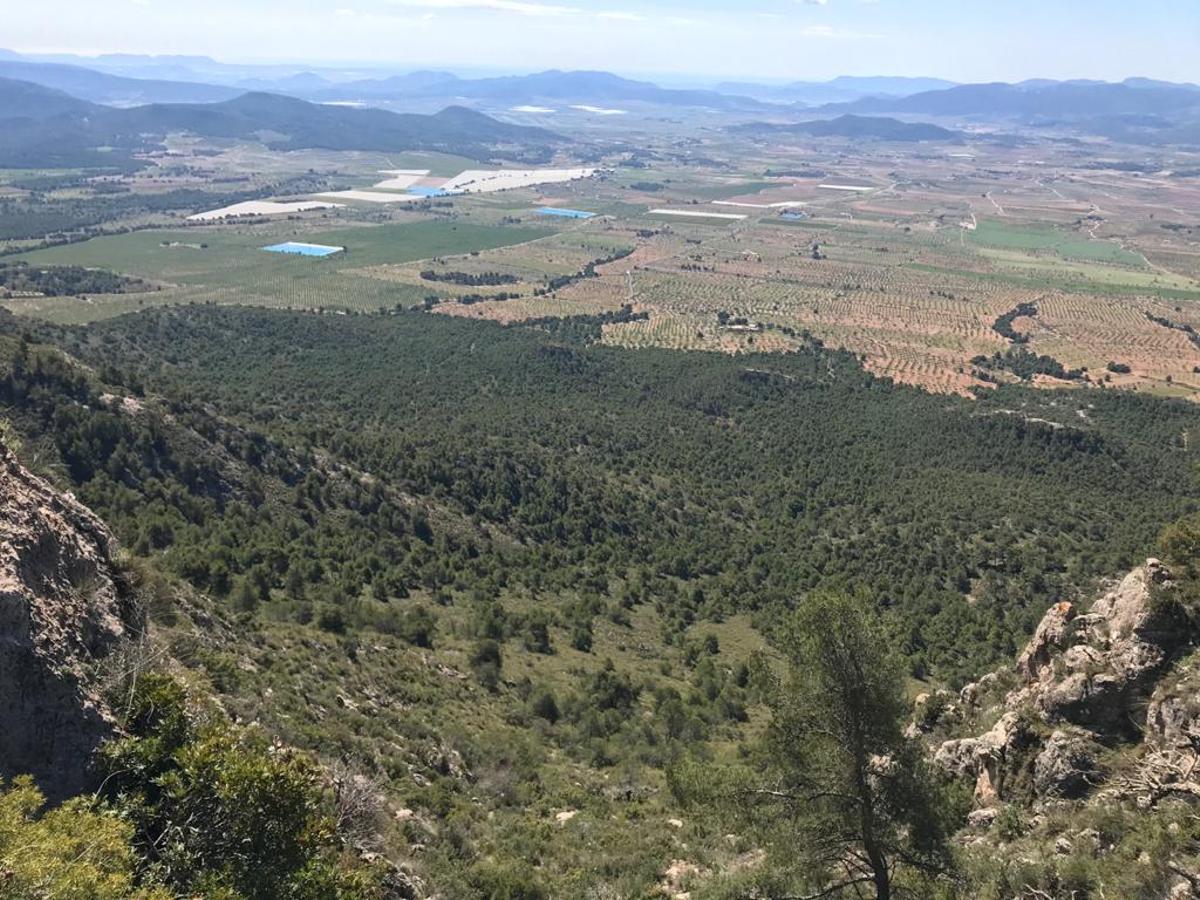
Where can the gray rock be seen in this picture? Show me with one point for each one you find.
(1066, 766)
(1053, 633)
(983, 758)
(1097, 670)
(64, 608)
(1173, 716)
(982, 818)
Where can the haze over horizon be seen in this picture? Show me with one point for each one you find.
(708, 39)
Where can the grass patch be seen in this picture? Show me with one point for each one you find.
(1042, 239)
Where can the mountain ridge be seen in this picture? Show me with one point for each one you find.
(852, 126)
(77, 128)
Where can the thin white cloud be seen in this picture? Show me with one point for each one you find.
(520, 7)
(618, 16)
(828, 31)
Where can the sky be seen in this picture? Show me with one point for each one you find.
(964, 40)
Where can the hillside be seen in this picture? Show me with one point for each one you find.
(767, 506)
(850, 126)
(304, 124)
(73, 129)
(1057, 99)
(26, 100)
(67, 610)
(1088, 744)
(506, 581)
(102, 87)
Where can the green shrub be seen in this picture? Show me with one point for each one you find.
(544, 706)
(72, 852)
(217, 809)
(505, 881)
(486, 663)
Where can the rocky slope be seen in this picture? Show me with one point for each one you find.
(64, 611)
(1101, 712)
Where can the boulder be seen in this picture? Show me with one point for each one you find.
(982, 818)
(1173, 716)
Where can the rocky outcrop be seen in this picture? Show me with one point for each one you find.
(1052, 635)
(62, 612)
(1086, 681)
(1095, 670)
(1173, 715)
(1066, 766)
(985, 758)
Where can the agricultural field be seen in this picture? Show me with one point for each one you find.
(228, 266)
(905, 256)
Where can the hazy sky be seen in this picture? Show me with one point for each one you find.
(967, 40)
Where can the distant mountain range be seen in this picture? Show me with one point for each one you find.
(1138, 110)
(1072, 99)
(850, 126)
(843, 89)
(598, 88)
(40, 126)
(115, 90)
(192, 81)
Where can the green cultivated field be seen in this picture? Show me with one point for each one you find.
(232, 268)
(1031, 239)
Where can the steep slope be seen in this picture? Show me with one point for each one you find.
(64, 610)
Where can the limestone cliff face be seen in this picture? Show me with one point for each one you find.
(63, 610)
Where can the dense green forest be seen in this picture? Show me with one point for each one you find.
(502, 576)
(329, 467)
(59, 281)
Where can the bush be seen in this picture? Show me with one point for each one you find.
(215, 809)
(544, 706)
(486, 663)
(507, 881)
(537, 633)
(69, 853)
(1010, 823)
(581, 636)
(331, 619)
